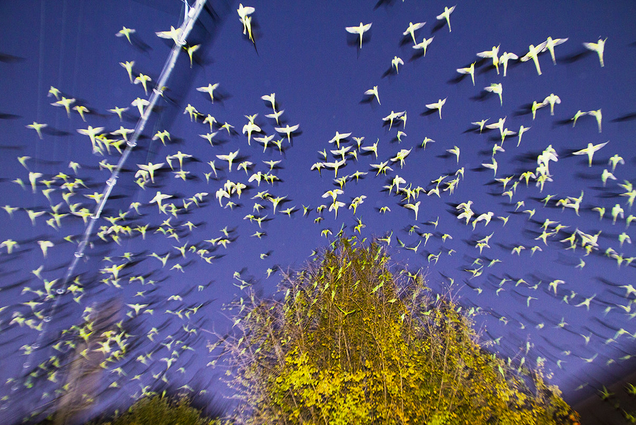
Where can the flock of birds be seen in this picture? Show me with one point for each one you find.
(153, 234)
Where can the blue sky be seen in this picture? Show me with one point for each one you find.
(318, 73)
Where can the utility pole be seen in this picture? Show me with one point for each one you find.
(85, 367)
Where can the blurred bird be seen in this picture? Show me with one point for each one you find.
(54, 92)
(415, 207)
(454, 151)
(229, 158)
(37, 127)
(392, 116)
(128, 66)
(117, 110)
(599, 118)
(374, 92)
(437, 105)
(125, 32)
(395, 62)
(66, 103)
(423, 45)
(412, 28)
(209, 89)
(505, 58)
(470, 70)
(496, 88)
(492, 54)
(92, 133)
(533, 53)
(446, 15)
(288, 130)
(150, 168)
(140, 104)
(173, 34)
(551, 100)
(360, 30)
(190, 50)
(576, 117)
(598, 47)
(551, 43)
(245, 19)
(590, 150)
(615, 160)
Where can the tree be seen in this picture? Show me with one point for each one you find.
(159, 410)
(351, 338)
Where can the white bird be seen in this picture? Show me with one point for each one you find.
(264, 140)
(288, 130)
(229, 158)
(401, 156)
(246, 20)
(599, 118)
(275, 115)
(92, 132)
(125, 32)
(360, 30)
(249, 128)
(140, 104)
(424, 44)
(173, 34)
(590, 150)
(455, 151)
(598, 47)
(373, 148)
(550, 43)
(150, 168)
(412, 28)
(395, 62)
(535, 107)
(551, 100)
(44, 246)
(576, 117)
(392, 116)
(243, 11)
(415, 207)
(66, 103)
(505, 133)
(209, 137)
(338, 137)
(37, 127)
(505, 57)
(499, 125)
(128, 66)
(143, 79)
(493, 54)
(486, 217)
(271, 98)
(446, 15)
(615, 160)
(209, 89)
(522, 130)
(492, 165)
(336, 166)
(374, 92)
(468, 70)
(533, 53)
(437, 105)
(480, 124)
(496, 88)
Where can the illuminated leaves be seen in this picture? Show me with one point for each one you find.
(353, 339)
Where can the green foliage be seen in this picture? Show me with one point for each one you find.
(352, 341)
(157, 410)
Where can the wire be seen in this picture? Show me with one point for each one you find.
(191, 15)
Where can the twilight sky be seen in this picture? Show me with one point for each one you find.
(552, 282)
